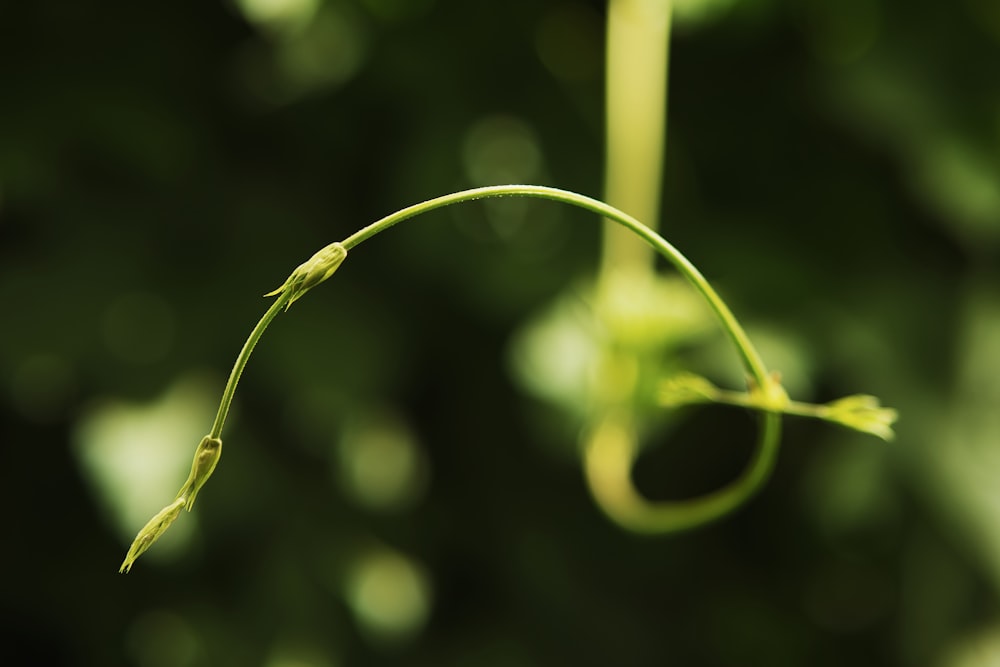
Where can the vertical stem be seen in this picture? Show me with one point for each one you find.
(638, 36)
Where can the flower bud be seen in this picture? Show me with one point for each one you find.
(151, 532)
(206, 457)
(312, 272)
(862, 413)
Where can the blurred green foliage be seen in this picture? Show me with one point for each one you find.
(389, 493)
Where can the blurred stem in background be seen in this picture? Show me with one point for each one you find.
(629, 337)
(637, 57)
(638, 351)
(638, 42)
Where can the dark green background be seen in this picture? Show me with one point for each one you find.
(845, 198)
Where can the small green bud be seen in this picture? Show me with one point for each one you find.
(312, 272)
(862, 412)
(151, 532)
(206, 457)
(685, 389)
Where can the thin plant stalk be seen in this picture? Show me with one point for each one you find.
(636, 71)
(241, 362)
(750, 358)
(616, 494)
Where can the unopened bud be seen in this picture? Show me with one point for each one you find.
(151, 532)
(862, 413)
(312, 272)
(206, 457)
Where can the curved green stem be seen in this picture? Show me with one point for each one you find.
(752, 362)
(610, 453)
(611, 446)
(241, 362)
(611, 450)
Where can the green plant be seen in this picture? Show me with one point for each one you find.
(611, 435)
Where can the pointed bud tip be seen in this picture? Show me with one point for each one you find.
(312, 272)
(864, 413)
(151, 532)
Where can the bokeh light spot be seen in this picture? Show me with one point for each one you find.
(700, 12)
(328, 53)
(380, 463)
(390, 596)
(298, 654)
(280, 15)
(960, 471)
(962, 183)
(501, 149)
(553, 355)
(979, 648)
(317, 47)
(135, 457)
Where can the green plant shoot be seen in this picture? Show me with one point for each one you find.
(611, 440)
